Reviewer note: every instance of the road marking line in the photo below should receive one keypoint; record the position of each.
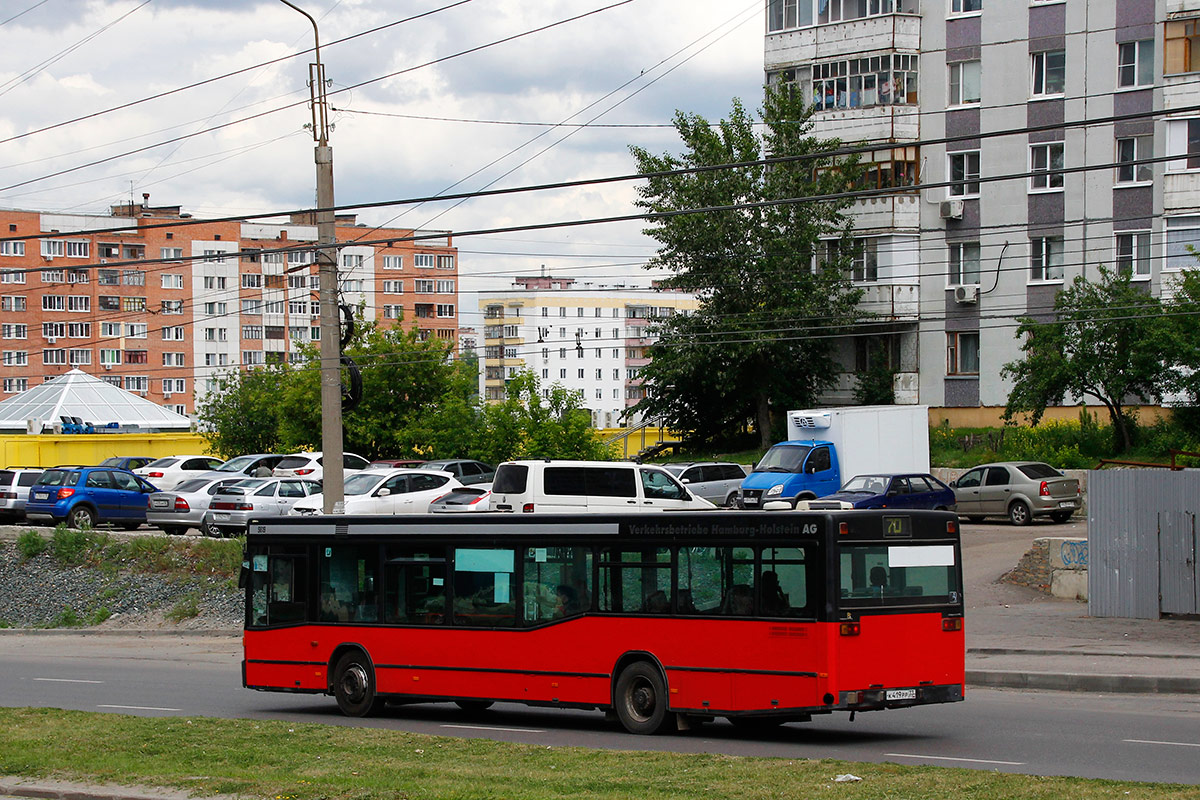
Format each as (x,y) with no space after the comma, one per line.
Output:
(951,758)
(493,728)
(66,680)
(142,708)
(1151,741)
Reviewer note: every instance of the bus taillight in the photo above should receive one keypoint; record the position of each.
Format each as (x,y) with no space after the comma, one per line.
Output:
(843,528)
(952,624)
(951,526)
(848,629)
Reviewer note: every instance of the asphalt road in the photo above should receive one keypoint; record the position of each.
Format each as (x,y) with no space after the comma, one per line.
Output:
(1134,737)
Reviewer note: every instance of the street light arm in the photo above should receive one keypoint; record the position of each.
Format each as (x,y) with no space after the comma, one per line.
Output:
(320,109)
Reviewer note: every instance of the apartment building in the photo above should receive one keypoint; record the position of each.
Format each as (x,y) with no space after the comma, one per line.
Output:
(1020,140)
(150,299)
(587,337)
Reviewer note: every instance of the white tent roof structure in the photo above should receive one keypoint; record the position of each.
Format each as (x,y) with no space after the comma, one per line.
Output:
(77,394)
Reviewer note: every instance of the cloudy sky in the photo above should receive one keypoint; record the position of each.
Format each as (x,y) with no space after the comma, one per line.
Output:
(458,96)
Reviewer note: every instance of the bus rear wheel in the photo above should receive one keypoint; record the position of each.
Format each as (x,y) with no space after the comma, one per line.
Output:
(354,686)
(641,699)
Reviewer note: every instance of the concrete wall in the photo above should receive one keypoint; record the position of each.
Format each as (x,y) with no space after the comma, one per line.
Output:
(1057,566)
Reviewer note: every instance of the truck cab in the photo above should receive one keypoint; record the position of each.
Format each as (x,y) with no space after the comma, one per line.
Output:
(798,469)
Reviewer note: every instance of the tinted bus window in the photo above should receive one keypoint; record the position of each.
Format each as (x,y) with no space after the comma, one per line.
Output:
(716,580)
(278,594)
(347,580)
(636,581)
(414,586)
(484,593)
(783,583)
(558,582)
(898,575)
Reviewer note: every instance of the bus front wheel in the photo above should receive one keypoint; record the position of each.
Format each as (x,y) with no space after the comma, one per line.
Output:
(354,686)
(641,699)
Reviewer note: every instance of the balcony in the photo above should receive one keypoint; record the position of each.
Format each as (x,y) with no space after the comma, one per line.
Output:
(801,46)
(896,302)
(887,213)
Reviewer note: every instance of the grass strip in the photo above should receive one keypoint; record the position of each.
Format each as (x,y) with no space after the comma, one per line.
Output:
(294,761)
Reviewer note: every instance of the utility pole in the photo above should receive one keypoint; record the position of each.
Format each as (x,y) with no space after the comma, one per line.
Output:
(331,354)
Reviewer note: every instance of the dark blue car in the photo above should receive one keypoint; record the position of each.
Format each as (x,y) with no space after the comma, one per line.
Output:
(910,490)
(85,497)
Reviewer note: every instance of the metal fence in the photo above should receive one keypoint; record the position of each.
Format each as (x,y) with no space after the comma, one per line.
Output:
(1142,542)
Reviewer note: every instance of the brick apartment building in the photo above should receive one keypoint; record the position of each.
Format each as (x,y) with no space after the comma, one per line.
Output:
(159,303)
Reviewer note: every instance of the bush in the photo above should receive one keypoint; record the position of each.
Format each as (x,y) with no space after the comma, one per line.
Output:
(148,553)
(72,548)
(31,544)
(216,556)
(187,608)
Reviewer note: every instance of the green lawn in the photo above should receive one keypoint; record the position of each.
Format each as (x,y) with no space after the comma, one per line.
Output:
(288,761)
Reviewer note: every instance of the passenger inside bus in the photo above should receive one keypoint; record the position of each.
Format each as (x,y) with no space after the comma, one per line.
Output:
(774,600)
(684,598)
(657,602)
(879,579)
(567,601)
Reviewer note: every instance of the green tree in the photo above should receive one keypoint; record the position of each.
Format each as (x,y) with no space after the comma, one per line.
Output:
(760,342)
(1183,334)
(241,412)
(1106,342)
(527,425)
(403,380)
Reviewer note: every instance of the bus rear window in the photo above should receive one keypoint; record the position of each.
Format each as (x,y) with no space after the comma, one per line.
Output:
(898,575)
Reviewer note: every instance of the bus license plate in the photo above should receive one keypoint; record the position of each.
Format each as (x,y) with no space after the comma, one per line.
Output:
(901,694)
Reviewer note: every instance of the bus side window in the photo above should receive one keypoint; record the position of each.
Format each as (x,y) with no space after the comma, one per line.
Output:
(347,583)
(414,586)
(558,583)
(783,582)
(484,587)
(286,597)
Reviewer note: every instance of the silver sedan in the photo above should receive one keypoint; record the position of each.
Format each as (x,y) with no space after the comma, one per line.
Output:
(233,506)
(183,507)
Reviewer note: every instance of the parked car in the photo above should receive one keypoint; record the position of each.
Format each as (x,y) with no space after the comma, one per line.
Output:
(309,466)
(249,466)
(396,463)
(395,491)
(909,490)
(126,462)
(232,506)
(14,490)
(167,473)
(85,497)
(716,481)
(465,470)
(183,507)
(1020,490)
(547,486)
(463,499)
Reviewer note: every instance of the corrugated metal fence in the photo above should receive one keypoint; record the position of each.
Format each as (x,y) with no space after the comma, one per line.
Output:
(1142,542)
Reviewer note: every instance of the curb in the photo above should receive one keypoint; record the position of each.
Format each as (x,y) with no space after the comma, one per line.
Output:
(1033,651)
(1079,682)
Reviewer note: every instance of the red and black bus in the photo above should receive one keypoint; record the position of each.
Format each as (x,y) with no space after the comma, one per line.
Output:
(661,619)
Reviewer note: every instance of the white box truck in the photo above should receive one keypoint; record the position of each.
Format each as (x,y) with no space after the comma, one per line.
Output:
(827,446)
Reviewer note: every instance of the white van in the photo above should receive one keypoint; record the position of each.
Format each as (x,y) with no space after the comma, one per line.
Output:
(589,486)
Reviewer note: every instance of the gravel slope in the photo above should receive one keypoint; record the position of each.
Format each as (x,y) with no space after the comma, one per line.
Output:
(38,593)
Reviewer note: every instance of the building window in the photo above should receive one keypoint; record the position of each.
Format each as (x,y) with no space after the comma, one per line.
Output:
(10,330)
(966,6)
(53,330)
(12,248)
(1135,64)
(12,303)
(54,357)
(216,309)
(108,277)
(16,358)
(445,287)
(1183,239)
(77,250)
(964,83)
(78,276)
(16,385)
(78,302)
(1133,254)
(962,353)
(423,286)
(110,330)
(393,287)
(445,262)
(250,280)
(173,333)
(425,260)
(172,306)
(1130,151)
(171,253)
(53,302)
(79,358)
(135,330)
(133,277)
(393,262)
(445,309)
(889,79)
(252,332)
(53,276)
(251,307)
(214,282)
(79,330)
(173,385)
(1183,139)
(137,383)
(1049,73)
(865,265)
(108,302)
(1046,258)
(964,172)
(351,261)
(53,248)
(172,281)
(273,307)
(1181,42)
(1045,166)
(964,264)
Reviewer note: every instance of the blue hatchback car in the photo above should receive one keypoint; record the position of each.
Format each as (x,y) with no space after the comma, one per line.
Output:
(85,497)
(910,490)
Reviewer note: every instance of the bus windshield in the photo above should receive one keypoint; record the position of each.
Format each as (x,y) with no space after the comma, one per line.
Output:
(783,458)
(901,574)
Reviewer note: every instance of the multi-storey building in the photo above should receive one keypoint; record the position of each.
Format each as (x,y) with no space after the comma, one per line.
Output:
(589,338)
(156,302)
(1019,138)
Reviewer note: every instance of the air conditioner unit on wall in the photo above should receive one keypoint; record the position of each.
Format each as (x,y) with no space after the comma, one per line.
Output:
(966,295)
(952,209)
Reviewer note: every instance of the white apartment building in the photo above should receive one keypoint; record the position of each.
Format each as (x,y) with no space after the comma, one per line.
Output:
(586,337)
(1012,135)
